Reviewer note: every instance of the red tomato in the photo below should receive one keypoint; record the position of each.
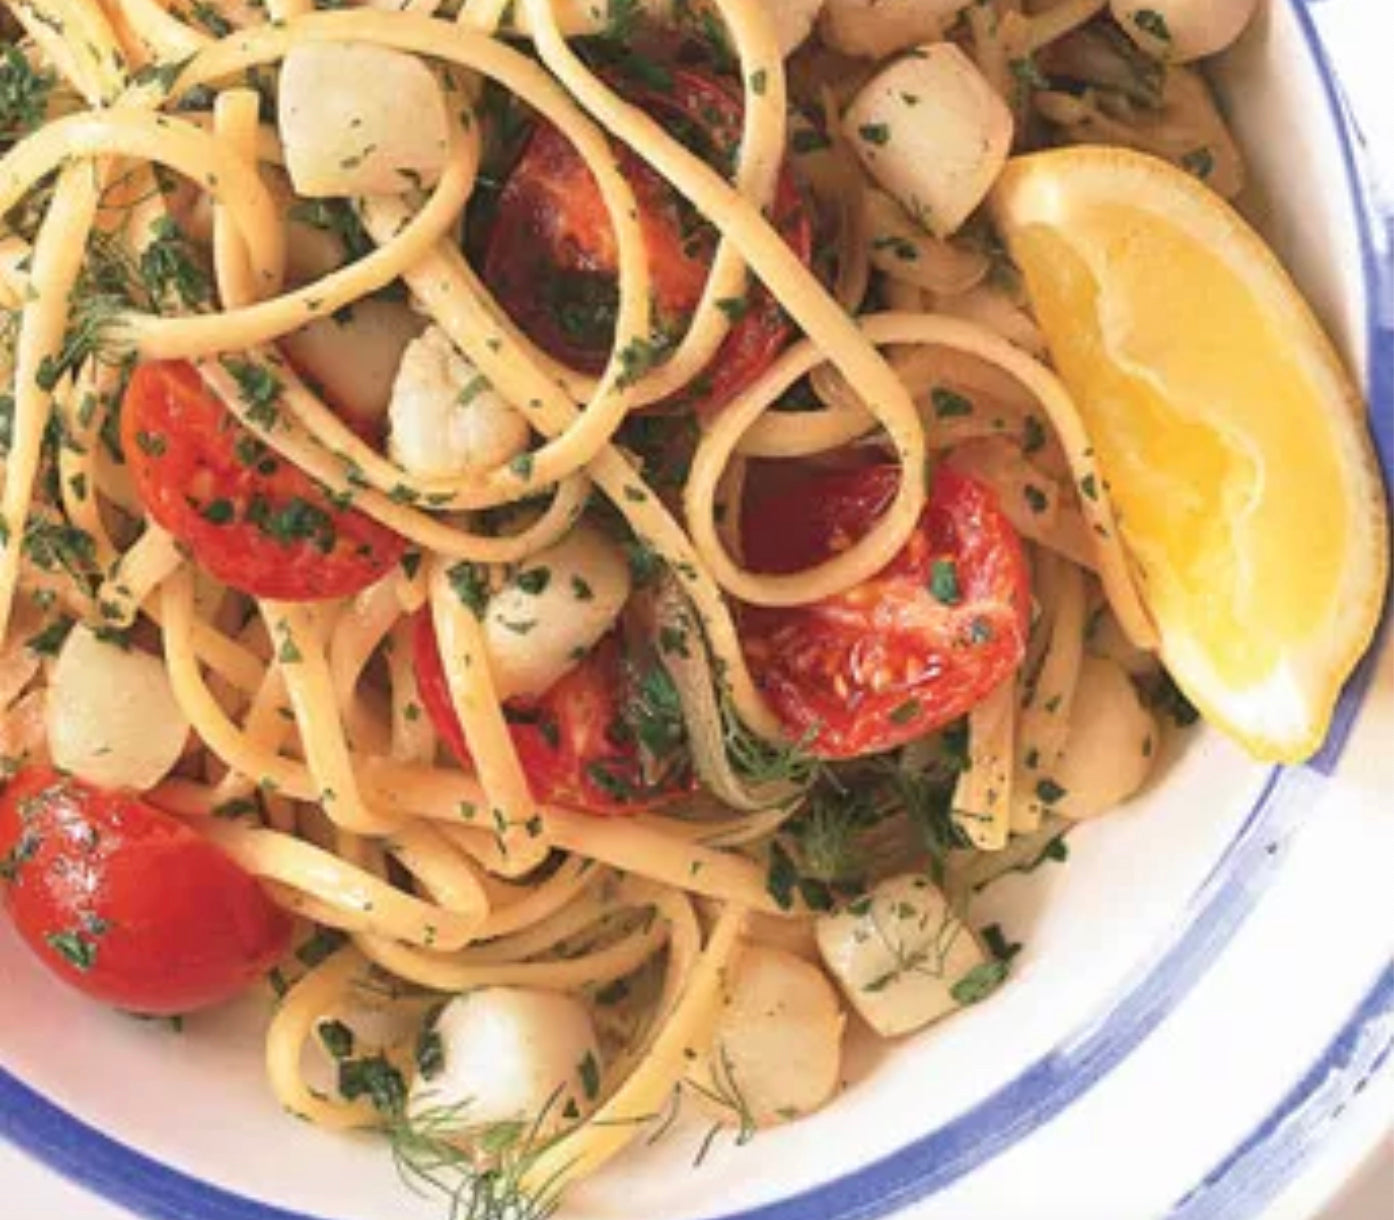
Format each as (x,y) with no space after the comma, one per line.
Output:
(127,903)
(573,743)
(551,257)
(907,651)
(252,519)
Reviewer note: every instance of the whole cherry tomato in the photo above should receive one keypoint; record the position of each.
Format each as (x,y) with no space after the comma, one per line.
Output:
(125,902)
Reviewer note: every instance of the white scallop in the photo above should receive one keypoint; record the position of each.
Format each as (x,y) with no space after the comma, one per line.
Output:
(512,1054)
(358,119)
(933,132)
(445,417)
(355,355)
(899,953)
(874,29)
(556,607)
(1179,31)
(112,716)
(776,1049)
(1112,742)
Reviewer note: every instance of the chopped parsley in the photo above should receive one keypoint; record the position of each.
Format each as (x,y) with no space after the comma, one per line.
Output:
(24,849)
(905,712)
(24,93)
(47,642)
(621,18)
(238,807)
(616,787)
(948,403)
(1200,162)
(997,943)
(943,582)
(1152,23)
(589,1072)
(152,444)
(980,982)
(211,20)
(320,946)
(170,270)
(337,1038)
(470,582)
(474,387)
(637,357)
(1049,792)
(645,565)
(534,580)
(376,1079)
(55,545)
(78,950)
(430,1053)
(258,387)
(338,218)
(297,520)
(653,715)
(980,630)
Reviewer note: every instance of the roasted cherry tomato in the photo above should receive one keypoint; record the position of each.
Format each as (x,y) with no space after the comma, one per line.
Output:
(907,651)
(127,903)
(551,257)
(252,519)
(574,745)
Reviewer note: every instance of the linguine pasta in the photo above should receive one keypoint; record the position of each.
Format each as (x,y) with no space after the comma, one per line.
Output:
(153,222)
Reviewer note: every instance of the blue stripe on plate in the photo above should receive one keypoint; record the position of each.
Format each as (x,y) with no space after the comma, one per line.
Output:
(1252,1176)
(150,1188)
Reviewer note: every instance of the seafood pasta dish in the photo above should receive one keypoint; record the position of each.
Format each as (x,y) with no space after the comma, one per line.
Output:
(558,544)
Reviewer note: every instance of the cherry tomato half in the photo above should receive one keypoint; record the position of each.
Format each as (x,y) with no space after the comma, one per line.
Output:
(255,521)
(551,257)
(573,743)
(127,903)
(907,651)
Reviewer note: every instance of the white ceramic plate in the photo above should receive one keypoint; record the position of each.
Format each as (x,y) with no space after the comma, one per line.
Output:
(1205,985)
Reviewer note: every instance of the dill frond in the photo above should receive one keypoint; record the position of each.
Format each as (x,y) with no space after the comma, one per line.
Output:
(760,762)
(724,1092)
(24,93)
(479,1170)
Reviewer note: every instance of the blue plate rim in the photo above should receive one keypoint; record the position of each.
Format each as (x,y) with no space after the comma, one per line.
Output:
(1264,1160)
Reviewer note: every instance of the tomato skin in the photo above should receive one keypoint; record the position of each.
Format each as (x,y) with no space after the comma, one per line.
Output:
(254,520)
(553,233)
(574,730)
(166,923)
(888,661)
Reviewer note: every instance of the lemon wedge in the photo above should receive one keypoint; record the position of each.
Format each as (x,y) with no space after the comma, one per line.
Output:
(1230,437)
